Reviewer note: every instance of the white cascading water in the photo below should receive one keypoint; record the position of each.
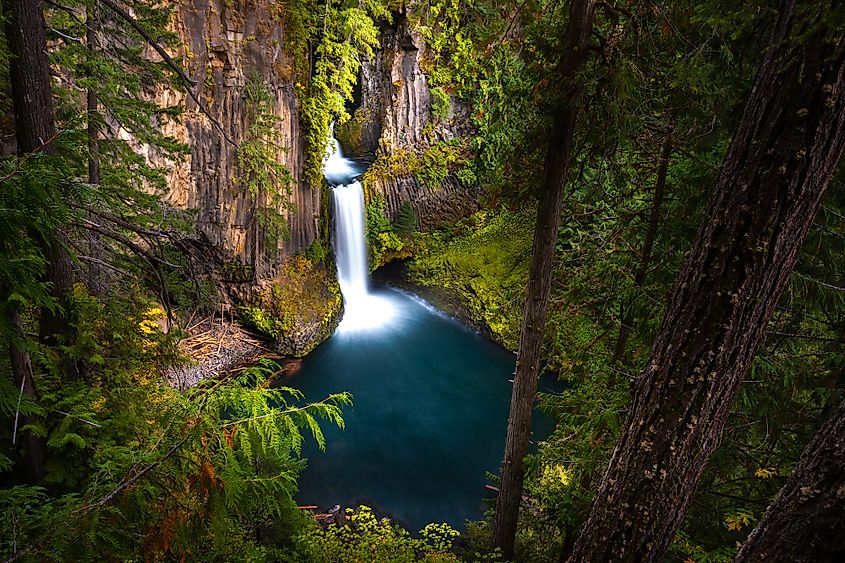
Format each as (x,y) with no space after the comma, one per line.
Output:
(362,310)
(350,251)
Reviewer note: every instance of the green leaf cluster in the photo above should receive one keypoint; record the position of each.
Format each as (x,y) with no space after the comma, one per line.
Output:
(137,468)
(366,538)
(345,32)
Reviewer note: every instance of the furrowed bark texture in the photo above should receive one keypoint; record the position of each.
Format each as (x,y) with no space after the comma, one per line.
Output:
(35,128)
(539,282)
(806,522)
(29,71)
(772,180)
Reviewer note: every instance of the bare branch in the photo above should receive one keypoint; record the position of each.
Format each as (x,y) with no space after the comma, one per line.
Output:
(189,83)
(128,482)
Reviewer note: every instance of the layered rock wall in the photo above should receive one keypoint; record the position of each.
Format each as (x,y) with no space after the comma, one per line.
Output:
(395,116)
(228,41)
(225,43)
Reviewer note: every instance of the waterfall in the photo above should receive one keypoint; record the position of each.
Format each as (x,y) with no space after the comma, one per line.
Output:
(362,309)
(337,169)
(349,248)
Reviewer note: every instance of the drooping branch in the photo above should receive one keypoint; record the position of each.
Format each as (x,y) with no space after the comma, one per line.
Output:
(152,260)
(188,82)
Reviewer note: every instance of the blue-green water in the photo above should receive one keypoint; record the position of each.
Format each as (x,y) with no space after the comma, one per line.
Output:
(429,417)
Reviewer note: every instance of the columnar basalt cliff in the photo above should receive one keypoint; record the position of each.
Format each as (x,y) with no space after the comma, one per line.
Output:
(229,47)
(395,118)
(225,45)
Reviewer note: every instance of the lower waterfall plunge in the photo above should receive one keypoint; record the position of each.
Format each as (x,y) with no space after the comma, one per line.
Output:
(362,309)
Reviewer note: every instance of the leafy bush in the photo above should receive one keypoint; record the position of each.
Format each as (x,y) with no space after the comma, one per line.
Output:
(139,470)
(366,538)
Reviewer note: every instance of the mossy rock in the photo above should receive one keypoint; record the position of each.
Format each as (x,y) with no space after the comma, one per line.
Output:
(359,136)
(299,309)
(482,260)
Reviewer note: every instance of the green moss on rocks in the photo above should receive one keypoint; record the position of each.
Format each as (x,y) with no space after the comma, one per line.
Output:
(384,242)
(355,135)
(431,165)
(299,309)
(483,260)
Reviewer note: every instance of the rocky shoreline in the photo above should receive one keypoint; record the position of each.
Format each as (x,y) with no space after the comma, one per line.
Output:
(220,344)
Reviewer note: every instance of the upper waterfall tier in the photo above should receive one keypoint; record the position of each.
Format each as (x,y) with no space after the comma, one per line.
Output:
(338,170)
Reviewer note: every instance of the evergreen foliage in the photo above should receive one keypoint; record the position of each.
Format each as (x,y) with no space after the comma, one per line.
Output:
(139,468)
(267,180)
(406,220)
(649,86)
(136,469)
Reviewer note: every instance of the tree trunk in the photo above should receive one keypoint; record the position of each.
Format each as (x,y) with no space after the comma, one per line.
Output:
(93,41)
(29,70)
(96,273)
(767,194)
(36,446)
(806,522)
(35,130)
(539,282)
(648,246)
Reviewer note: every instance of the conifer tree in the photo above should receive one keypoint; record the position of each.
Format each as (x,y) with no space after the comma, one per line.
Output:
(35,132)
(771,183)
(557,164)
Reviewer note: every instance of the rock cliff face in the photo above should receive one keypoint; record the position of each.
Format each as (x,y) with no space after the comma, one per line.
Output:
(226,42)
(227,47)
(395,116)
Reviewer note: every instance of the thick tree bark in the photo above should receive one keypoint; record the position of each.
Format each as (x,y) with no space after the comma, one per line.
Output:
(35,130)
(774,175)
(648,246)
(539,282)
(806,522)
(29,69)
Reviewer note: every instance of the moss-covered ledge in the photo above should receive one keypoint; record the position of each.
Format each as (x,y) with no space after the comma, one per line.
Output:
(297,310)
(476,269)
